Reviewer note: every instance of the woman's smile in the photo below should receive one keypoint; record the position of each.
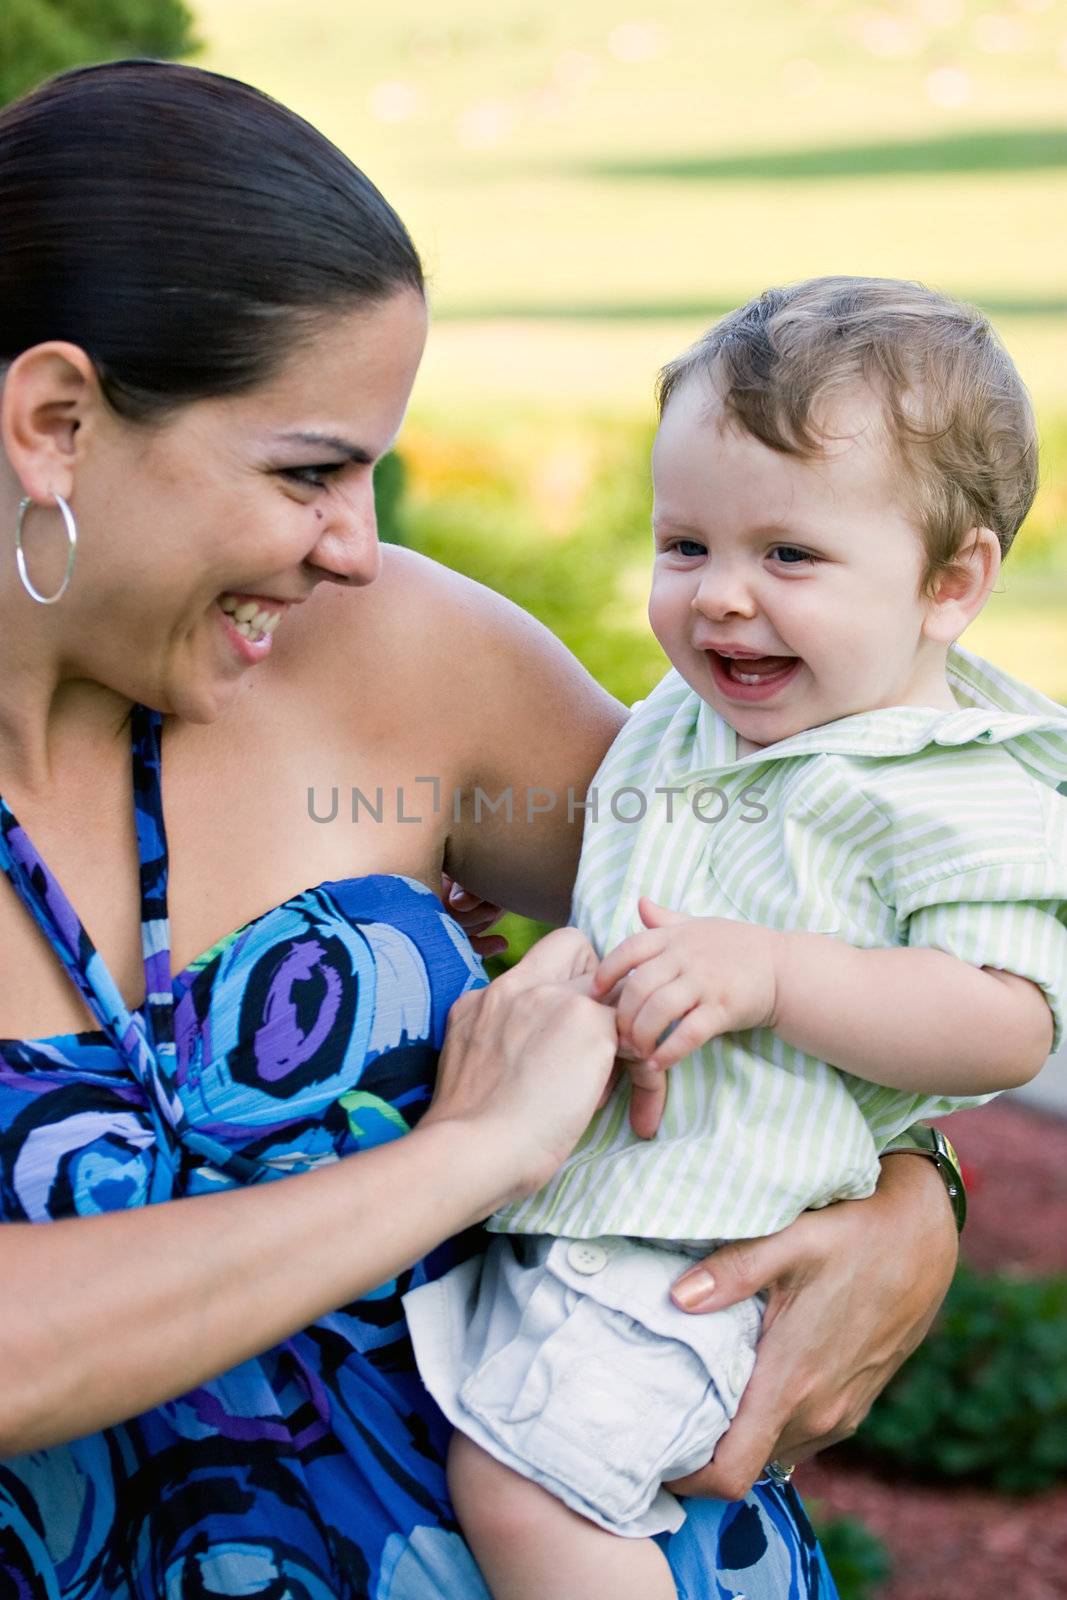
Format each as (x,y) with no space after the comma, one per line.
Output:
(248,625)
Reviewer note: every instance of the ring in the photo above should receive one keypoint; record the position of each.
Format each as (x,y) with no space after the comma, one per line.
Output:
(779,1472)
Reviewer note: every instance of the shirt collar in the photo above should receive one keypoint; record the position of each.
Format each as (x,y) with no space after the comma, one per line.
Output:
(994,709)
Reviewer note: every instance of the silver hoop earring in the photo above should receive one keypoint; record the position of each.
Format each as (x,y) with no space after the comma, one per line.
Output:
(20,556)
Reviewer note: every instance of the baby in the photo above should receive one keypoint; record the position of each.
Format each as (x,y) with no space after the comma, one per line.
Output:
(861,833)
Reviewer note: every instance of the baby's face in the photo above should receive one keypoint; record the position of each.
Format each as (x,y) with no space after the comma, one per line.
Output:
(786,590)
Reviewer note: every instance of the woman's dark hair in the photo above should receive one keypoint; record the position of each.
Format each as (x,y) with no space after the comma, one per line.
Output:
(185,230)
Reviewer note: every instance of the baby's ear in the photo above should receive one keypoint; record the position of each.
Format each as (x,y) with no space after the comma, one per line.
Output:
(959,591)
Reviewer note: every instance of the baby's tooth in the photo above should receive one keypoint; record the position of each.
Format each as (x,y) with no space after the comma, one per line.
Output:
(246,611)
(244,628)
(259,621)
(272,622)
(228,603)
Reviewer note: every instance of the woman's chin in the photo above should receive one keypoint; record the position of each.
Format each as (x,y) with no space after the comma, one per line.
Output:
(202,699)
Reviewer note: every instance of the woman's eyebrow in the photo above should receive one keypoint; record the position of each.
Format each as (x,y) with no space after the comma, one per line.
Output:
(344,447)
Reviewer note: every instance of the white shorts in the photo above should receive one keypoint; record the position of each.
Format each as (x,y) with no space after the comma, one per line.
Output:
(568,1361)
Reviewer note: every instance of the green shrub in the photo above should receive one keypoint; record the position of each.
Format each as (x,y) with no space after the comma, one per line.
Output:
(521,934)
(42,37)
(578,557)
(390,483)
(857,1558)
(984,1397)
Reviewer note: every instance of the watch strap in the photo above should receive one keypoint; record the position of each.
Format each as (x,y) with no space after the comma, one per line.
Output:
(922,1139)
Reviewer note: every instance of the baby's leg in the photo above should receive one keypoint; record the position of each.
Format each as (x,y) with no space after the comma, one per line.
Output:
(530,1546)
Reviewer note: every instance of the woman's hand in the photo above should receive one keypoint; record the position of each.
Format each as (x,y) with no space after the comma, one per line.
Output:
(853,1290)
(196,1286)
(475,916)
(528,1059)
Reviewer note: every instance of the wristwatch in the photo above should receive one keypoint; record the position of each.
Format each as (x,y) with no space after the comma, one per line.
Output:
(923,1140)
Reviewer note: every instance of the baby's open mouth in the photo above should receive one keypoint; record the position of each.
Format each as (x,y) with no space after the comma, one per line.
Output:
(753,669)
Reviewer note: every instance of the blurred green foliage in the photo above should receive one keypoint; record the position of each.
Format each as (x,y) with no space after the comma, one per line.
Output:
(521,934)
(857,1558)
(42,37)
(556,516)
(984,1398)
(555,513)
(390,482)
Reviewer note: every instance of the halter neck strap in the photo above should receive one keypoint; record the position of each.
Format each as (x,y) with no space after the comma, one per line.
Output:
(145,1038)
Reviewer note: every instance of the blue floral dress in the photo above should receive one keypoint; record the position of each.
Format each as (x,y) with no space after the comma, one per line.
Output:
(314,1471)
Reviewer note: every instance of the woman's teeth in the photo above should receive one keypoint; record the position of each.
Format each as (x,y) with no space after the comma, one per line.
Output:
(250,619)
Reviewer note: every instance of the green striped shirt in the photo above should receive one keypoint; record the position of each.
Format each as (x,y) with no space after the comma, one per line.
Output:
(908,826)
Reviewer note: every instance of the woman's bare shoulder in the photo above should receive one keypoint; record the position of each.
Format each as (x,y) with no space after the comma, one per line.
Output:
(352,623)
(443,637)
(427,672)
(450,606)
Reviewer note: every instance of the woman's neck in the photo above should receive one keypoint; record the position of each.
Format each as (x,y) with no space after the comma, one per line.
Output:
(48,727)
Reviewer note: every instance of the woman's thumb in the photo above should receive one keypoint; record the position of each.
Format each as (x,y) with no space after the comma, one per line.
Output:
(735,1272)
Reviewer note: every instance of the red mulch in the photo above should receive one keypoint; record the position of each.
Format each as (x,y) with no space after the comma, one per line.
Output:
(969,1544)
(1015,1163)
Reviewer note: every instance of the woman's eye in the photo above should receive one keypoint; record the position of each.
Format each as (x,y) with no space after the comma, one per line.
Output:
(789,556)
(312,477)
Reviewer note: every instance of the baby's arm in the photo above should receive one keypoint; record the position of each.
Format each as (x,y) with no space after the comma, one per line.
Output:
(913,1019)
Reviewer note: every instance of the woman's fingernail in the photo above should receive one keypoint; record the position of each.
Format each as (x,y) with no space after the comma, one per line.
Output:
(693,1288)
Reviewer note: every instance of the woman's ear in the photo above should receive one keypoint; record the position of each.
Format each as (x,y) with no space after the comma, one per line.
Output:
(960,590)
(50,397)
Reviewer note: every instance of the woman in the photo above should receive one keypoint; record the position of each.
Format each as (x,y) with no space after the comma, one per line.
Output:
(210,325)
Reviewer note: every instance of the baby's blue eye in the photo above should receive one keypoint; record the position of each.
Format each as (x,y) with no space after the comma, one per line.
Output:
(790,556)
(688,547)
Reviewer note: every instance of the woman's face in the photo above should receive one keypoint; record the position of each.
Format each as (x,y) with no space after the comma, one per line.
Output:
(198,534)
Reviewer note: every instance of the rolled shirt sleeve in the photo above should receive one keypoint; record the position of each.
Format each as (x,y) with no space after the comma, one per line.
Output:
(1026,938)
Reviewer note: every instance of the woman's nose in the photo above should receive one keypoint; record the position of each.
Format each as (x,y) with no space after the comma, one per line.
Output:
(347,550)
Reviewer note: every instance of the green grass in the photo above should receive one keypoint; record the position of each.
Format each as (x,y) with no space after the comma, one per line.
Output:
(544,159)
(553,164)
(588,199)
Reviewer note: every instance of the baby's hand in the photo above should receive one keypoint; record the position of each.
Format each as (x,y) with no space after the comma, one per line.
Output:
(475,916)
(697,977)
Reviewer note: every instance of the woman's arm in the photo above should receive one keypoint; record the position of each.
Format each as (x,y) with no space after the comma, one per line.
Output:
(853,1289)
(107,1316)
(537,729)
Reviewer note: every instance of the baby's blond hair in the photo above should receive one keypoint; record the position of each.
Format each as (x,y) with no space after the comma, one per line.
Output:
(956,410)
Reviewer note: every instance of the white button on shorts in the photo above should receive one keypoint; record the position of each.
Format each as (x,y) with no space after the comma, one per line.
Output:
(587,1257)
(737,1373)
(568,1361)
